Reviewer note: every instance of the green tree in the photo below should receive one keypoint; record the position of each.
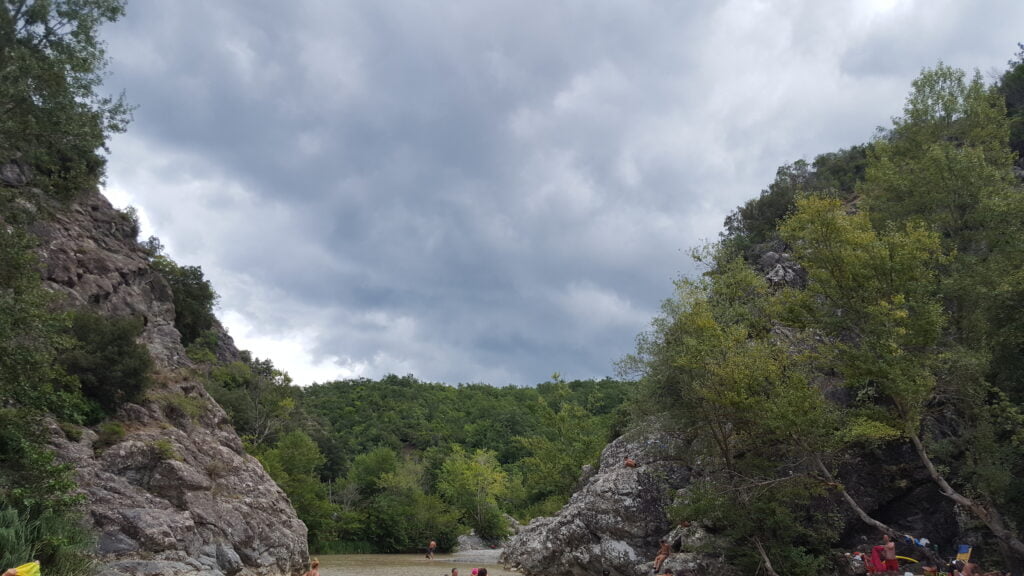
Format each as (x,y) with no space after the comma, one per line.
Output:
(368,469)
(193,295)
(876,296)
(406,518)
(258,398)
(110,365)
(1011,85)
(473,484)
(293,463)
(51,66)
(566,440)
(39,507)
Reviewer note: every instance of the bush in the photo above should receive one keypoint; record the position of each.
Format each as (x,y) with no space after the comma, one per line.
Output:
(164,449)
(180,407)
(109,433)
(111,367)
(71,431)
(203,350)
(57,540)
(194,297)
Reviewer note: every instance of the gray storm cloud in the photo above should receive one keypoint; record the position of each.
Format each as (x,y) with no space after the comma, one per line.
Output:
(488,191)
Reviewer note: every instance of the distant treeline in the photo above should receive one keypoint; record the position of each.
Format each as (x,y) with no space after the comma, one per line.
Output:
(388,465)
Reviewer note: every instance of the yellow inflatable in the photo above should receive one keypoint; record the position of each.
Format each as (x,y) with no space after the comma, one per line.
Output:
(30,569)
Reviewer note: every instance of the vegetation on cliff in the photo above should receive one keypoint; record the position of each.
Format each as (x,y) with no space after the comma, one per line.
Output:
(900,323)
(53,125)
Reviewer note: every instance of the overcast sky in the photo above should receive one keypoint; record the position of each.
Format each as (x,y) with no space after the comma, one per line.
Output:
(487,191)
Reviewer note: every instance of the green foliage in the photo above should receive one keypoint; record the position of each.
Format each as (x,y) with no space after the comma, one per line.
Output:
(109,433)
(293,463)
(368,469)
(566,440)
(473,484)
(384,446)
(31,333)
(51,65)
(913,256)
(182,407)
(1011,85)
(194,297)
(164,449)
(71,431)
(258,398)
(755,223)
(39,510)
(110,365)
(57,540)
(203,349)
(876,289)
(405,517)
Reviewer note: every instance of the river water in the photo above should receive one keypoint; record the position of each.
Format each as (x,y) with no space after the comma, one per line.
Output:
(411,564)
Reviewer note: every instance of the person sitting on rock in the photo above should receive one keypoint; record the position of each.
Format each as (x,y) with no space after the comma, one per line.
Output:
(664,551)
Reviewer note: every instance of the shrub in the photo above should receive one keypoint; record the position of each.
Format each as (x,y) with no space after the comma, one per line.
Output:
(71,431)
(180,406)
(109,433)
(110,365)
(57,540)
(194,297)
(164,449)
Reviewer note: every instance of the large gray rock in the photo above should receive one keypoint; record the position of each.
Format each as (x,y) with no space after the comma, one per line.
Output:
(177,494)
(780,269)
(616,519)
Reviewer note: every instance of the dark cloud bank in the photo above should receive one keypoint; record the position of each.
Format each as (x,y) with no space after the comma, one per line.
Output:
(488,191)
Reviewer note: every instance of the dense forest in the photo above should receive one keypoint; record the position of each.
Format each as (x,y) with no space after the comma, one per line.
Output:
(388,465)
(898,323)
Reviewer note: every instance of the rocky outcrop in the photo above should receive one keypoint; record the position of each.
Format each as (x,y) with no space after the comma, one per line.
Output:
(619,513)
(781,270)
(616,519)
(169,487)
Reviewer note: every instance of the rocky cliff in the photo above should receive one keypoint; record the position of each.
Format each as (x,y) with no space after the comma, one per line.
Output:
(619,513)
(176,493)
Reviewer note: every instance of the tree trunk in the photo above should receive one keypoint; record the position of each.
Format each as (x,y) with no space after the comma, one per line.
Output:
(764,557)
(990,516)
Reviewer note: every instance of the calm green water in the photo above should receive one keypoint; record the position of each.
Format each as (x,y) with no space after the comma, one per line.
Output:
(407,565)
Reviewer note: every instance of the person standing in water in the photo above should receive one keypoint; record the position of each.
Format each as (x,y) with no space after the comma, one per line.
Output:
(431,549)
(314,568)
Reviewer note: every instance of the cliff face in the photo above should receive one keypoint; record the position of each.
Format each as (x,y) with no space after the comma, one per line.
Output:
(176,494)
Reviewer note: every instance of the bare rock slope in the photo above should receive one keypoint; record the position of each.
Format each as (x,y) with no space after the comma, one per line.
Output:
(176,493)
